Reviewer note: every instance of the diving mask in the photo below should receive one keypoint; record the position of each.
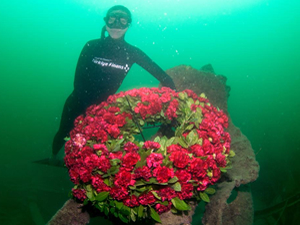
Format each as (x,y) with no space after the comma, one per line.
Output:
(118,20)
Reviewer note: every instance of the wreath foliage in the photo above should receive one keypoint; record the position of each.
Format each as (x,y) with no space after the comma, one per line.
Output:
(135,180)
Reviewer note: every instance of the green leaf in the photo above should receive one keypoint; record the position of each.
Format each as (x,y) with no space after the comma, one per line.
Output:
(89,187)
(112,203)
(190,102)
(140,211)
(114,162)
(222,169)
(157,139)
(152,180)
(189,127)
(139,183)
(132,215)
(176,186)
(210,191)
(231,153)
(180,204)
(100,206)
(142,122)
(200,141)
(178,132)
(67,138)
(163,203)
(106,210)
(90,195)
(170,141)
(142,189)
(113,170)
(204,197)
(112,210)
(202,95)
(192,137)
(156,195)
(144,154)
(155,215)
(120,100)
(102,196)
(107,182)
(173,180)
(174,210)
(125,210)
(119,205)
(116,148)
(182,143)
(123,218)
(86,201)
(182,95)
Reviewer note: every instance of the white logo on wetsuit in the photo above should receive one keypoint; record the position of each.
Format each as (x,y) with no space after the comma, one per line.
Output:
(108,63)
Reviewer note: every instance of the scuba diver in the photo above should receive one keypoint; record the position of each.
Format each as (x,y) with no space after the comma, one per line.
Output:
(102,66)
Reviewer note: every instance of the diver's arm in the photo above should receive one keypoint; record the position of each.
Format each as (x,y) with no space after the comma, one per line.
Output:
(81,68)
(148,64)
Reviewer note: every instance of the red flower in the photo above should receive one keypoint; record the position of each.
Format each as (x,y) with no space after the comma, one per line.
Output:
(101,148)
(171,110)
(180,159)
(98,184)
(154,160)
(203,184)
(198,168)
(104,164)
(120,120)
(186,191)
(84,174)
(183,176)
(113,131)
(163,208)
(119,193)
(146,198)
(113,109)
(130,159)
(151,145)
(79,140)
(208,148)
(221,160)
(166,193)
(197,150)
(116,155)
(124,179)
(131,147)
(173,148)
(74,175)
(155,107)
(109,117)
(80,194)
(142,172)
(131,201)
(141,109)
(163,174)
(216,174)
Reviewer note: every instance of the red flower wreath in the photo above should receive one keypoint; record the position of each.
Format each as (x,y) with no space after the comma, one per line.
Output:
(135,180)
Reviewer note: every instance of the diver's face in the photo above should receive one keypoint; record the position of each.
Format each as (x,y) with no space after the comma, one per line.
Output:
(117,23)
(116,33)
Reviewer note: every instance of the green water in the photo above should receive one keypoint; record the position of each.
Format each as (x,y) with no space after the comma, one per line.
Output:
(255,44)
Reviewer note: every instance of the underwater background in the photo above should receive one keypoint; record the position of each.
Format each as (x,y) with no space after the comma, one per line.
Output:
(254,43)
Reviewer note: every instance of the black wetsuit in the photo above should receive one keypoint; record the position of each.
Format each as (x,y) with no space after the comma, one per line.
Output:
(101,68)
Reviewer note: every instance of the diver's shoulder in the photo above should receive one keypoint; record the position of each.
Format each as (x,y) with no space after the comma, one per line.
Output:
(94,41)
(133,48)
